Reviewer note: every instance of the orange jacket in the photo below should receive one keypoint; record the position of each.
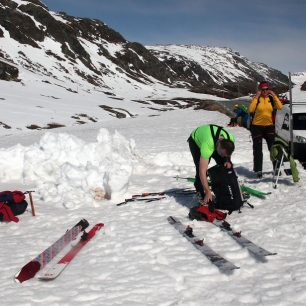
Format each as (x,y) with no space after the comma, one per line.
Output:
(264,110)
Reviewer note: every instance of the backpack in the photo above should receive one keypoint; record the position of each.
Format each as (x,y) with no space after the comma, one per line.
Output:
(252,115)
(12,203)
(218,132)
(226,188)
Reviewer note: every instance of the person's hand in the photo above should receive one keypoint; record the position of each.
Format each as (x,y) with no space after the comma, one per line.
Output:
(228,165)
(207,198)
(271,92)
(258,93)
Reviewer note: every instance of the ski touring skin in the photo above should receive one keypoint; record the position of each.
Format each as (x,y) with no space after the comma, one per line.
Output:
(31,268)
(54,271)
(220,262)
(256,251)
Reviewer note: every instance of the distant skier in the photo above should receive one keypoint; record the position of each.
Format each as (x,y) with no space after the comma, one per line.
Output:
(206,142)
(262,109)
(242,116)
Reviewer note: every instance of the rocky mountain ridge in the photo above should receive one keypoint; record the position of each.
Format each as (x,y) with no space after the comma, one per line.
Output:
(82,50)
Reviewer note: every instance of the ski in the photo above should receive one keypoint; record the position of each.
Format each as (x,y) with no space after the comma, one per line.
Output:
(135,199)
(223,264)
(170,192)
(31,268)
(253,191)
(54,271)
(256,251)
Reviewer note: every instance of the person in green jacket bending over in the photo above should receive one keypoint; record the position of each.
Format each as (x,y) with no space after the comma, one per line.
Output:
(206,142)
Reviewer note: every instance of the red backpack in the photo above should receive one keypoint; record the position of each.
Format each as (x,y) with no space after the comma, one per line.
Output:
(12,203)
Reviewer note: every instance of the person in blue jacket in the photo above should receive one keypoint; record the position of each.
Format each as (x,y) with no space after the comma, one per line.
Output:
(242,116)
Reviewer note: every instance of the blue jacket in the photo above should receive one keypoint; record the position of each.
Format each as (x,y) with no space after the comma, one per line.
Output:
(245,116)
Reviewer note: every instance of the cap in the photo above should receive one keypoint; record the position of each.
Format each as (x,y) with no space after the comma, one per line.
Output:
(263,85)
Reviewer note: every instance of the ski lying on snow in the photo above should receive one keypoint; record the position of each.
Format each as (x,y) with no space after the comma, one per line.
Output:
(31,268)
(146,200)
(223,264)
(256,251)
(54,271)
(254,192)
(170,192)
(156,196)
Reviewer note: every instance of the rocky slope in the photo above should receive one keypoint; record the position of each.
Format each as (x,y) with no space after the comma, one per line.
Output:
(80,50)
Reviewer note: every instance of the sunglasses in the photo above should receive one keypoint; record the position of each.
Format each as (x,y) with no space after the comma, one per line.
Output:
(264,89)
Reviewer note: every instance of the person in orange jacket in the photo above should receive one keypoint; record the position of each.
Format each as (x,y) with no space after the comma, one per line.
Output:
(261,109)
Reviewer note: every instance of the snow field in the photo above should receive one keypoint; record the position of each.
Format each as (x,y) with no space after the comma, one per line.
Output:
(141,259)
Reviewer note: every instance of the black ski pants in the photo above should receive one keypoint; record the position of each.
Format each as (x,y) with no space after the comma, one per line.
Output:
(196,155)
(260,132)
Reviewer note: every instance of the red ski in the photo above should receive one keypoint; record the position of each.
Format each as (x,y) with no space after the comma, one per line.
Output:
(31,268)
(54,271)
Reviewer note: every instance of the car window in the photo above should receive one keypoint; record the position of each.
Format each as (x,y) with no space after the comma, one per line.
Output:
(299,121)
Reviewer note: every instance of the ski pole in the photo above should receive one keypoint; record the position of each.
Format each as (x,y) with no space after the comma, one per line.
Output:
(31,201)
(250,205)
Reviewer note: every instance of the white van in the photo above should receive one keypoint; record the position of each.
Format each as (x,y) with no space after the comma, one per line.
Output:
(299,128)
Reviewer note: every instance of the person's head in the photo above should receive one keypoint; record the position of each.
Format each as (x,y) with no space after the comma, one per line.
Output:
(225,147)
(263,87)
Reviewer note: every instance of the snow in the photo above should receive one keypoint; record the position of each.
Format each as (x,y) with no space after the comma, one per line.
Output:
(298,79)
(139,259)
(64,167)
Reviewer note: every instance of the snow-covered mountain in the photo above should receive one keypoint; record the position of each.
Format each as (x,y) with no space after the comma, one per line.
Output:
(79,50)
(54,60)
(217,68)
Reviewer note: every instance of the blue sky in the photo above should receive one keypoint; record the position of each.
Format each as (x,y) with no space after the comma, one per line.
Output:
(272,31)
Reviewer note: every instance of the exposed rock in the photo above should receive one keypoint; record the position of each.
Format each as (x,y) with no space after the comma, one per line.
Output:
(8,72)
(20,26)
(49,126)
(37,2)
(8,3)
(303,87)
(137,58)
(5,126)
(117,112)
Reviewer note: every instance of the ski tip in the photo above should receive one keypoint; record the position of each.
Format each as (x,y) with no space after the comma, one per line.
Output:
(99,225)
(28,271)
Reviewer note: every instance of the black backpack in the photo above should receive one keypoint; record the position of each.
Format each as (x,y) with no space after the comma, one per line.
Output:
(225,186)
